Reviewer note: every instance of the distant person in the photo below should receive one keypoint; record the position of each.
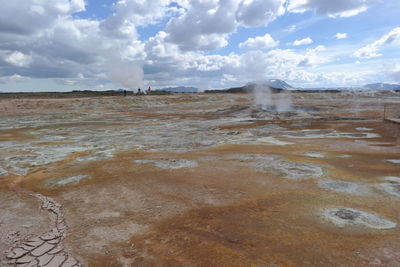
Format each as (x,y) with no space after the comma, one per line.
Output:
(149,90)
(139,90)
(124,92)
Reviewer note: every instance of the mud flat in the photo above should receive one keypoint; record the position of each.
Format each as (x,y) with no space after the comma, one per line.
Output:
(199,180)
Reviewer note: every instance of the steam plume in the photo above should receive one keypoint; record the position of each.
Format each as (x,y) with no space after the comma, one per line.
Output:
(127,74)
(264,99)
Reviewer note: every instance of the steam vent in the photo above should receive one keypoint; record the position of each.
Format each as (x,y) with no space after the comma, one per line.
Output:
(200,179)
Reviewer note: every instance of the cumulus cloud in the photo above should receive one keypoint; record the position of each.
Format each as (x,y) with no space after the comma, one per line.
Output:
(304,41)
(260,42)
(207,24)
(340,35)
(31,16)
(18,59)
(253,13)
(337,8)
(47,41)
(50,41)
(129,14)
(373,50)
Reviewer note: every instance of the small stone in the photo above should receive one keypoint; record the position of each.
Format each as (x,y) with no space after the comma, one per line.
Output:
(39,251)
(69,262)
(16,253)
(44,259)
(57,261)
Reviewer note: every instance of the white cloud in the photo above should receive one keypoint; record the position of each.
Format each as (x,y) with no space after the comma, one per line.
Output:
(253,13)
(260,42)
(30,16)
(132,13)
(372,50)
(18,59)
(305,41)
(341,35)
(14,78)
(48,41)
(207,24)
(337,8)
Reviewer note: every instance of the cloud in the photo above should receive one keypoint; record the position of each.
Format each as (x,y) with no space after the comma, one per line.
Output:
(18,59)
(260,42)
(372,50)
(259,12)
(341,35)
(14,78)
(50,41)
(23,17)
(305,41)
(129,14)
(207,25)
(337,8)
(56,44)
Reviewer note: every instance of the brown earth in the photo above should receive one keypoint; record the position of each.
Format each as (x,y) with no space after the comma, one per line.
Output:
(225,210)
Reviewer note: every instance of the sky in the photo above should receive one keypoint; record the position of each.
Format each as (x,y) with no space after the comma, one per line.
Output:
(64,45)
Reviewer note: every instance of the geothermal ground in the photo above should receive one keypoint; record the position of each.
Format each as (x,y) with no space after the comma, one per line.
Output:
(199,180)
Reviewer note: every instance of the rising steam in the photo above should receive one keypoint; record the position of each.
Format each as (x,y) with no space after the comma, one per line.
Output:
(266,100)
(127,74)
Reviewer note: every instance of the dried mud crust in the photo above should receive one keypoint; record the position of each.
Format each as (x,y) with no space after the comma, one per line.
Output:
(46,249)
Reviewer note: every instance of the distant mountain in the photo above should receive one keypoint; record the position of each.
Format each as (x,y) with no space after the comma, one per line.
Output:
(276,83)
(249,88)
(382,86)
(180,89)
